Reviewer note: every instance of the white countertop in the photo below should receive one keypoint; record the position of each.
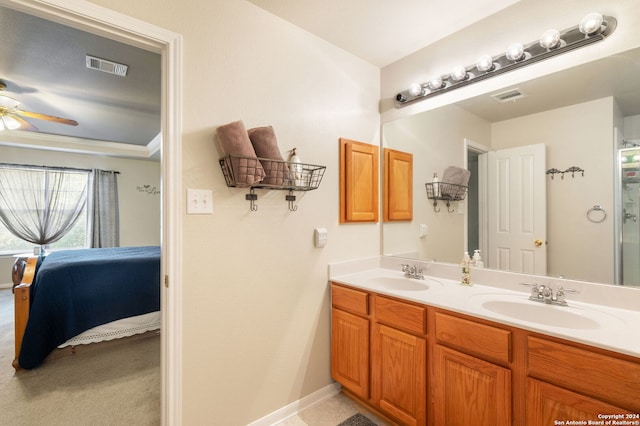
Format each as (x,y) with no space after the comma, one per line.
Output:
(605,326)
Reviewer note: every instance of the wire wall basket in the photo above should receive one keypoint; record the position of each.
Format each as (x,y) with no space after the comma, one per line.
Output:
(446,192)
(253,172)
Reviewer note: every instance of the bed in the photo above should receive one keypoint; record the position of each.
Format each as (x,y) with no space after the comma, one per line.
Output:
(83,296)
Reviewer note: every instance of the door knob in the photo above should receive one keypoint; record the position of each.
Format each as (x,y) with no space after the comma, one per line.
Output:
(538,243)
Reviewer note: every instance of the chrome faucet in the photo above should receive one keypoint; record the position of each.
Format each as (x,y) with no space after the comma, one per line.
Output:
(413,271)
(545,294)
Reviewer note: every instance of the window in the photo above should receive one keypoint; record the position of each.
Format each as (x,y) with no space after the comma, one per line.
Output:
(30,192)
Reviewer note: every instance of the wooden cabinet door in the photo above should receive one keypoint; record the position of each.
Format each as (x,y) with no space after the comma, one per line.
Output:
(350,351)
(548,405)
(604,377)
(398,185)
(469,391)
(358,181)
(399,374)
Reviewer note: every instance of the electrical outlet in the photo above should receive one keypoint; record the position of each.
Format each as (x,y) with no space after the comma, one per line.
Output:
(199,201)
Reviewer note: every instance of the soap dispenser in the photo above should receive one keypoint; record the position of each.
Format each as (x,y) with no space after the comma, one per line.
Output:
(296,167)
(477,260)
(436,185)
(466,269)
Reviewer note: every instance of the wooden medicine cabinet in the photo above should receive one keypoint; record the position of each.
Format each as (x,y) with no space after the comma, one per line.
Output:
(358,181)
(398,185)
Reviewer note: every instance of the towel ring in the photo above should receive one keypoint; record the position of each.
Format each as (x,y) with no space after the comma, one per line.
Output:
(593,212)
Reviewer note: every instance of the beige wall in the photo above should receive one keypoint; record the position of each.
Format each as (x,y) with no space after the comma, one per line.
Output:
(631,128)
(580,135)
(256,304)
(139,212)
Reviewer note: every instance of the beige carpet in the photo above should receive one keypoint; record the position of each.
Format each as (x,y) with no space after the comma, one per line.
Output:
(109,383)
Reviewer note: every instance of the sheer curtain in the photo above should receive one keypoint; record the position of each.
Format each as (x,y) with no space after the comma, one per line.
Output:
(104,220)
(41,205)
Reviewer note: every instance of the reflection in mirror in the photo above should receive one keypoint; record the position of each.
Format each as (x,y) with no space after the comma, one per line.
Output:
(581,119)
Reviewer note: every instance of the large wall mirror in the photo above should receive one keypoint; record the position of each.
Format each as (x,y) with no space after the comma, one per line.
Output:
(581,222)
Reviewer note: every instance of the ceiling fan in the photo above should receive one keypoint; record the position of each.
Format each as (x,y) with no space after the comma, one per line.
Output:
(11,115)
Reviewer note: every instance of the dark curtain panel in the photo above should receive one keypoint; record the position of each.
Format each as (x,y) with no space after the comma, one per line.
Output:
(104,220)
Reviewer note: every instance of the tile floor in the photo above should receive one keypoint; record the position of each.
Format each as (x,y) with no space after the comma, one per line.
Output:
(331,412)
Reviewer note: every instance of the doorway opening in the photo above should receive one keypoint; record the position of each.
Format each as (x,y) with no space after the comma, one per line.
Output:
(475,224)
(101,21)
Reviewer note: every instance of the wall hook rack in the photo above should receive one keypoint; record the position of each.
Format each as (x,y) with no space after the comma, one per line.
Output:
(573,170)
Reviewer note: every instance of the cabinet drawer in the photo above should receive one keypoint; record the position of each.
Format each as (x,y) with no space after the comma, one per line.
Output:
(351,300)
(604,377)
(404,316)
(483,341)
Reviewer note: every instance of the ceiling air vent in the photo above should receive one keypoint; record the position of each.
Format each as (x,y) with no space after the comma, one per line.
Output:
(106,66)
(509,95)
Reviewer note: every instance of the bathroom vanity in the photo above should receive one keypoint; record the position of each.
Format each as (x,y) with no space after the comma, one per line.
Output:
(433,352)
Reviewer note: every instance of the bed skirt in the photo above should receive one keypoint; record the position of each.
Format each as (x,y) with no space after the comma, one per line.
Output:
(117,329)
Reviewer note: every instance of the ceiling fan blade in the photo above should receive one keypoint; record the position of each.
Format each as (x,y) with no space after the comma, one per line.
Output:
(45,117)
(24,125)
(8,103)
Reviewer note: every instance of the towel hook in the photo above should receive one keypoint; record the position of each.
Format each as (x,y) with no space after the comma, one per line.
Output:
(573,170)
(553,172)
(291,199)
(449,208)
(252,197)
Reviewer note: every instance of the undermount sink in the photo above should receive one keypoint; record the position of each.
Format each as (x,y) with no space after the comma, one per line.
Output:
(534,312)
(402,283)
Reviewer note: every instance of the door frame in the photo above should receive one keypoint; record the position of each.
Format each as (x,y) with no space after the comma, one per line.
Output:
(471,146)
(98,20)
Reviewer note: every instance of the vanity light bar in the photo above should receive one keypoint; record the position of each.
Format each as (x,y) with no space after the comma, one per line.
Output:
(593,28)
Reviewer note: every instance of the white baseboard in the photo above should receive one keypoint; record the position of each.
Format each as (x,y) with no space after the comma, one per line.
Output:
(297,406)
(6,285)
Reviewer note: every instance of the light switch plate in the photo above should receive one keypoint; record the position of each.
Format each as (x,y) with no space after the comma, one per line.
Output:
(199,201)
(320,237)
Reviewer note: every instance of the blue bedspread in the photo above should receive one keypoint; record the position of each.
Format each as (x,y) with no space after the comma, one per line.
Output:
(75,290)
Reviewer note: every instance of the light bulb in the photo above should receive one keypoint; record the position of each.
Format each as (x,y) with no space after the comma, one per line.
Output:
(415,89)
(591,24)
(1,124)
(459,73)
(485,63)
(435,83)
(515,52)
(10,122)
(550,39)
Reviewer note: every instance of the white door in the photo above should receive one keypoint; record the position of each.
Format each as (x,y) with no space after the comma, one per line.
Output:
(516,210)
